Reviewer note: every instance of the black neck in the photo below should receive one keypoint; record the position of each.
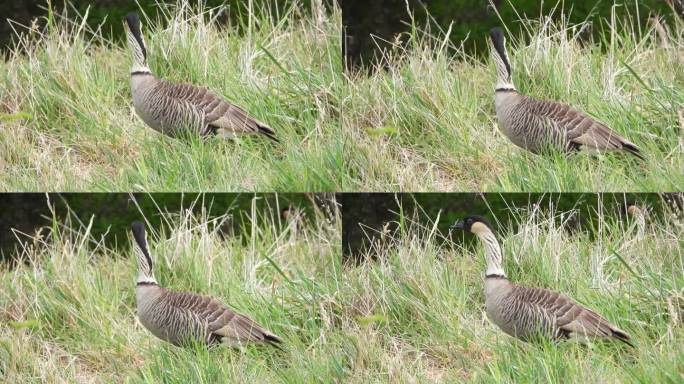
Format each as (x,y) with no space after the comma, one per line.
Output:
(141,73)
(145,283)
(505,90)
(495,276)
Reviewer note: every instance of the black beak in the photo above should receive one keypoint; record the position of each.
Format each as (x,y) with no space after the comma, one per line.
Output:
(459,225)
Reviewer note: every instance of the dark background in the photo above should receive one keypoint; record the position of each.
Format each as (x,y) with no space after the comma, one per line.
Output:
(113,213)
(364,215)
(387,18)
(110,13)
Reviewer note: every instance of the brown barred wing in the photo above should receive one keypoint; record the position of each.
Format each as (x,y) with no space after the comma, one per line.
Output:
(218,116)
(579,130)
(222,324)
(562,317)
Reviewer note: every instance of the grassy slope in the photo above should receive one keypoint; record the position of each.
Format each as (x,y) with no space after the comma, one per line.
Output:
(72,312)
(67,121)
(423,307)
(438,109)
(415,316)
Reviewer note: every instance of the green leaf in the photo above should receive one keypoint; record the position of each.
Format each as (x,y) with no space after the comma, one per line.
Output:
(28,324)
(372,319)
(15,116)
(382,131)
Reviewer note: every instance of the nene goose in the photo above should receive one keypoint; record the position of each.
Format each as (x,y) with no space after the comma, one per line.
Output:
(538,124)
(638,215)
(182,317)
(531,313)
(181,109)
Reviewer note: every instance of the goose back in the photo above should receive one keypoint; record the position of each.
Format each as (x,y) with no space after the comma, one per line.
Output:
(528,313)
(537,124)
(180,317)
(178,109)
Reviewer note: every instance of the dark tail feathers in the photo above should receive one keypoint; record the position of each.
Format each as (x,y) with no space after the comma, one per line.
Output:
(273,340)
(631,148)
(622,337)
(268,132)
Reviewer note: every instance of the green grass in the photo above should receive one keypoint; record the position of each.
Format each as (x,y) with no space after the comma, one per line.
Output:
(69,312)
(413,313)
(67,122)
(427,123)
(416,311)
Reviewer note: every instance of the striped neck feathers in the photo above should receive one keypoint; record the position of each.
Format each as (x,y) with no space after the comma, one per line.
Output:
(142,254)
(136,43)
(492,249)
(504,79)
